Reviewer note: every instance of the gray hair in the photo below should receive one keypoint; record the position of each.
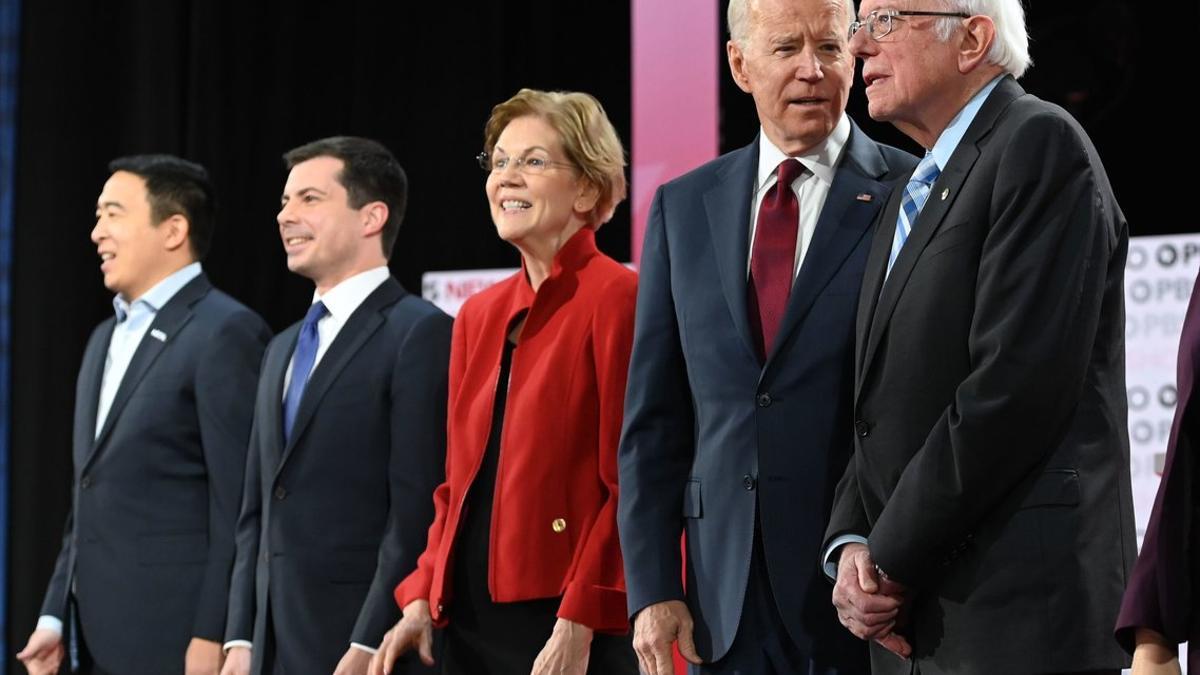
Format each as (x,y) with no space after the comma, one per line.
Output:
(1010,51)
(737,15)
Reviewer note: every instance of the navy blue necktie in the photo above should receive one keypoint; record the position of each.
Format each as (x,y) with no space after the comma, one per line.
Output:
(302,365)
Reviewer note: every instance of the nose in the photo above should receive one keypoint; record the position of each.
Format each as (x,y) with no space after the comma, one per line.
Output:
(98,231)
(285,214)
(861,45)
(809,67)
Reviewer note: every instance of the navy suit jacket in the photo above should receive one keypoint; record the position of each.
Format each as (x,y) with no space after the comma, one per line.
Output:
(332,520)
(713,435)
(149,540)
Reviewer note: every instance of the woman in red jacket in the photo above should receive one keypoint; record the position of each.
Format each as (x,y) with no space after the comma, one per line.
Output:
(523,566)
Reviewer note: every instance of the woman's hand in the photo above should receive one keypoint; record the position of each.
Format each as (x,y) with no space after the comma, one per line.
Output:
(567,650)
(415,629)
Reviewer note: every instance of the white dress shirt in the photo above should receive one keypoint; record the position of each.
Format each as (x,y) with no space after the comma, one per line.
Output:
(811,188)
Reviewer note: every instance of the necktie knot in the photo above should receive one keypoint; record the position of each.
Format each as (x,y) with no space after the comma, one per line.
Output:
(927,170)
(789,170)
(315,313)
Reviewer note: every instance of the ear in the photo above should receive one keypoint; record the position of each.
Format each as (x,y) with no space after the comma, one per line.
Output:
(977,37)
(375,215)
(737,65)
(175,231)
(587,197)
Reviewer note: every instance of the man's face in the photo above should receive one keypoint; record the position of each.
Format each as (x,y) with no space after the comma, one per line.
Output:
(905,70)
(132,247)
(796,66)
(322,234)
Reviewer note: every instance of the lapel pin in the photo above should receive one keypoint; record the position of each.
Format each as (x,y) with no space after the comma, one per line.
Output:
(945,193)
(158,335)
(864,197)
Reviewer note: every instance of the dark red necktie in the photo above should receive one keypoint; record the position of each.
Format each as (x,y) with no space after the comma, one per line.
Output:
(774,256)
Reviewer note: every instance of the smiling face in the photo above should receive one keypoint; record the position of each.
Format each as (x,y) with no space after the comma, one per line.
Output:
(135,252)
(536,211)
(795,64)
(323,236)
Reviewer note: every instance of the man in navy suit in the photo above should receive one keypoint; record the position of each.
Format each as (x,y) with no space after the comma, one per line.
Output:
(162,414)
(737,418)
(349,428)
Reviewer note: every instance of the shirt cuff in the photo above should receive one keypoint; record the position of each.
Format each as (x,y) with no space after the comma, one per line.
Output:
(237,643)
(369,650)
(50,623)
(828,563)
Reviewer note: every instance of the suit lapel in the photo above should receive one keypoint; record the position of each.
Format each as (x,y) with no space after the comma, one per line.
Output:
(361,325)
(88,395)
(727,205)
(843,222)
(881,246)
(168,321)
(942,196)
(274,371)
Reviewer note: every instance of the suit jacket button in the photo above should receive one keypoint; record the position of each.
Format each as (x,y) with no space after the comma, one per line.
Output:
(748,482)
(441,608)
(764,400)
(85,482)
(280,492)
(862,428)
(558,525)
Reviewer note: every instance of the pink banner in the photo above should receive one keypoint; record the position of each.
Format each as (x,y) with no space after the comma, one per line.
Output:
(677,55)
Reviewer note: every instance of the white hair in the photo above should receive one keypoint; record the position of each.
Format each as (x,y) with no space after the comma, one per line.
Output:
(1010,51)
(737,16)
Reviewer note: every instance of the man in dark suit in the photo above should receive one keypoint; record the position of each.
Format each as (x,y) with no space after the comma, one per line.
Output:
(1159,607)
(737,415)
(989,490)
(162,415)
(349,428)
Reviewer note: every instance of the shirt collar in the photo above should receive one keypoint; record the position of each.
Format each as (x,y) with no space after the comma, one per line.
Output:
(821,159)
(159,294)
(948,141)
(343,299)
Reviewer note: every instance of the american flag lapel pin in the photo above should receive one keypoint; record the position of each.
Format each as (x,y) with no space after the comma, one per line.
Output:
(864,197)
(158,335)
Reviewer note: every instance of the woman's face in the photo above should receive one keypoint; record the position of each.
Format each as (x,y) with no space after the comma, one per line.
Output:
(534,192)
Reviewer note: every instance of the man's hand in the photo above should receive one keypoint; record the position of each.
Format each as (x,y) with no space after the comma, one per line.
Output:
(567,650)
(354,662)
(43,653)
(414,630)
(237,661)
(1153,655)
(654,630)
(868,606)
(203,657)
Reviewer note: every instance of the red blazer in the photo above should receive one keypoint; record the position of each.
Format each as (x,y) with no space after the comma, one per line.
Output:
(554,528)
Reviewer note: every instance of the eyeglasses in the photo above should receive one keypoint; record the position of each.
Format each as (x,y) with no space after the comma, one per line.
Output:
(883,21)
(529,165)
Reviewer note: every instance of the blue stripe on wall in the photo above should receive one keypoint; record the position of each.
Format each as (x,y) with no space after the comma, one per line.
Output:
(10,21)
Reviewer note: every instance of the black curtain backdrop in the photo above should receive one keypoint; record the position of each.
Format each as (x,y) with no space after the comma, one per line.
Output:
(234,85)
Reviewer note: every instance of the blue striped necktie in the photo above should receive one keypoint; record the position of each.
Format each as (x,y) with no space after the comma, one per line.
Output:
(915,194)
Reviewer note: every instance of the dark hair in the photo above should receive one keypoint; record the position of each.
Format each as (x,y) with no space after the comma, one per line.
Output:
(176,186)
(370,173)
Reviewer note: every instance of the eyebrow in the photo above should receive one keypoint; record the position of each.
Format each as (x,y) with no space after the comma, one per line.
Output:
(109,205)
(301,192)
(527,150)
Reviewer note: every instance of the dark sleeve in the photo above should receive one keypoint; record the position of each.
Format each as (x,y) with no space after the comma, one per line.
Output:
(239,624)
(418,455)
(54,603)
(1043,272)
(657,446)
(226,380)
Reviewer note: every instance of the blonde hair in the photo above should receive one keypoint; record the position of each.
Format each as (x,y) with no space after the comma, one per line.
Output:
(587,136)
